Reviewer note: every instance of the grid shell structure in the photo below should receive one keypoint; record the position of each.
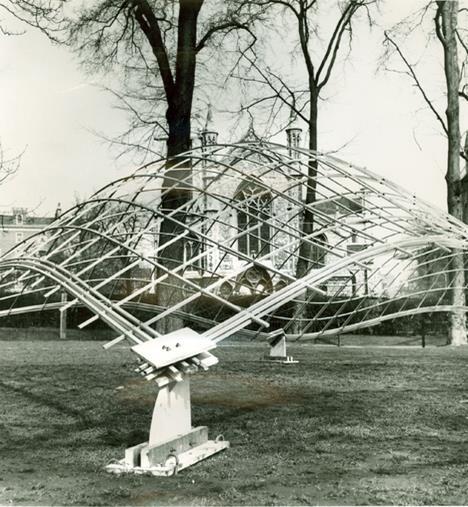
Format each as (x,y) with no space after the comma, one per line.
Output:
(252,238)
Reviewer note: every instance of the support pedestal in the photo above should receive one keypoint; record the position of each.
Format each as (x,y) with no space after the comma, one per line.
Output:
(63,317)
(173,444)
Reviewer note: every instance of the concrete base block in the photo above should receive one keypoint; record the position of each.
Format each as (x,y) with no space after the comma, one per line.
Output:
(157,454)
(169,458)
(132,454)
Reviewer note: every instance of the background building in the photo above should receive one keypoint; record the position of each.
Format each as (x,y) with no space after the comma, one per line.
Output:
(19,225)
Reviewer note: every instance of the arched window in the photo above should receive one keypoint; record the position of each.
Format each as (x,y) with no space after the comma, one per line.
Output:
(254,204)
(319,251)
(193,247)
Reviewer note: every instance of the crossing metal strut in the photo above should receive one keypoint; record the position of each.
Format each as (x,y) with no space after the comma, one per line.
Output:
(372,253)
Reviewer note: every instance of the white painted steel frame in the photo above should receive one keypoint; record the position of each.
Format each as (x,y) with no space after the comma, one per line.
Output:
(105,252)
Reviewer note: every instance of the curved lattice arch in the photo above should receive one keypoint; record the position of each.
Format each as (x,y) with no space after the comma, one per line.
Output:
(375,251)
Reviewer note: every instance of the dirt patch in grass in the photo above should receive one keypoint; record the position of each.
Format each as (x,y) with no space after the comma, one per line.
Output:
(344,426)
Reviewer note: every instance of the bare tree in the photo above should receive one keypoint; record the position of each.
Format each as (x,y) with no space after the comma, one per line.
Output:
(303,100)
(446,29)
(450,38)
(159,42)
(157,48)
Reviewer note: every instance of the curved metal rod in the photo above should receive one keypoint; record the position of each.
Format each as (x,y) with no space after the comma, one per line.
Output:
(375,234)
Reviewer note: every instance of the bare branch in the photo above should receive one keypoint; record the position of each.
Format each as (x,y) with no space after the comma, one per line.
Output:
(461,41)
(269,78)
(334,43)
(150,26)
(439,29)
(9,166)
(416,81)
(224,28)
(45,15)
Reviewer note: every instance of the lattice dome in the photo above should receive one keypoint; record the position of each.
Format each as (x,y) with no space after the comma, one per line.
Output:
(243,252)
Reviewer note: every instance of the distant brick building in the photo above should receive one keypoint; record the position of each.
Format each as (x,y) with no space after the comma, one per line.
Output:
(19,225)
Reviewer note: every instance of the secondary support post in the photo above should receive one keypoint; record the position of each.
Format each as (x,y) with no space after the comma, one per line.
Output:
(63,317)
(277,352)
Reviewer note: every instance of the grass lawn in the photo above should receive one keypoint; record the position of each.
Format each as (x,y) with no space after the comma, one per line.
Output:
(344,426)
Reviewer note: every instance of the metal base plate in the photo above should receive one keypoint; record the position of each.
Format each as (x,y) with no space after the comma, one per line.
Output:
(281,359)
(173,463)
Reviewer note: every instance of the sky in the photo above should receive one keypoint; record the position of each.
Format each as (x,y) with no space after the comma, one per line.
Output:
(51,109)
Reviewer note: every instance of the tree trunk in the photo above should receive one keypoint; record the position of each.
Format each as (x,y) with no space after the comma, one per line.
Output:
(177,193)
(447,34)
(465,182)
(176,184)
(306,253)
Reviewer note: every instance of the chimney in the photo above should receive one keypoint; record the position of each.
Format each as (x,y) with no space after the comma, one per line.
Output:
(208,135)
(293,133)
(58,211)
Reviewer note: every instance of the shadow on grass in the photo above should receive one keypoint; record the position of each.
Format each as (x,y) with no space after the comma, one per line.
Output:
(84,421)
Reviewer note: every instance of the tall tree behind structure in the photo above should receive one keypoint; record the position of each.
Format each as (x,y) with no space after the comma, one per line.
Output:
(303,99)
(446,29)
(165,38)
(450,37)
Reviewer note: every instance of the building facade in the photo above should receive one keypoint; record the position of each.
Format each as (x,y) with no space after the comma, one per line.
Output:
(19,225)
(252,218)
